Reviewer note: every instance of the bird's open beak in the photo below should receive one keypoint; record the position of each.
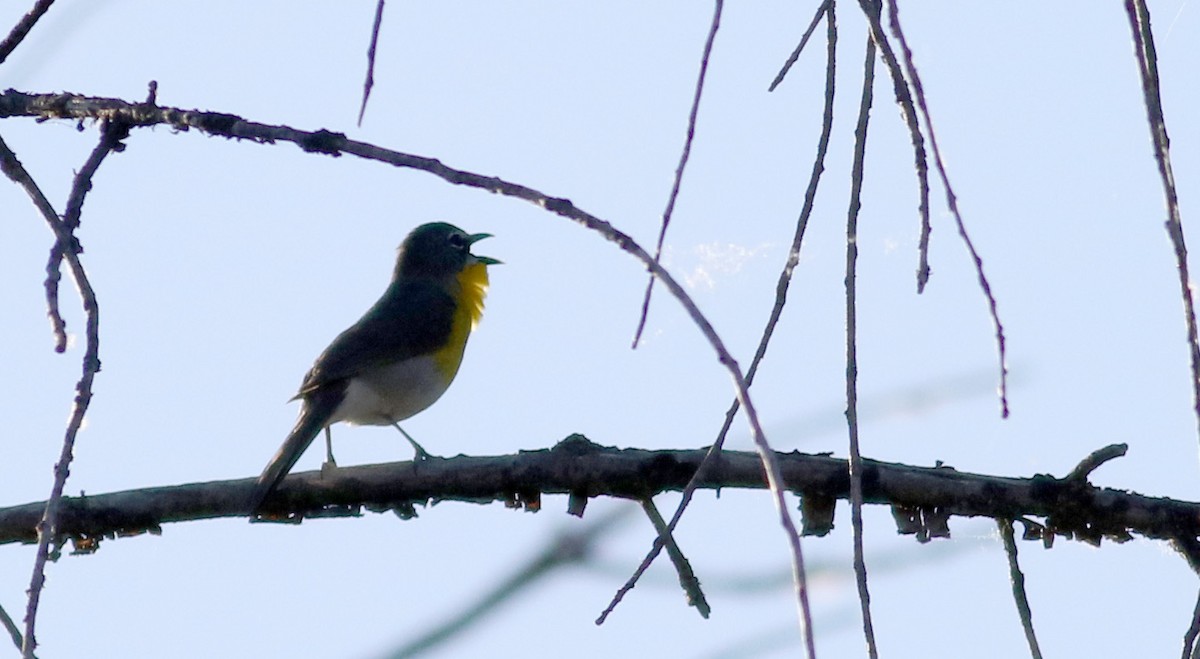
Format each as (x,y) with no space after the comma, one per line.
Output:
(486,260)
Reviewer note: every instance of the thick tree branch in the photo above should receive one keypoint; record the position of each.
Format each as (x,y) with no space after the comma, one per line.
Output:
(576,465)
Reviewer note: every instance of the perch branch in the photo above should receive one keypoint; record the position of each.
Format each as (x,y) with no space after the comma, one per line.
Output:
(1069,508)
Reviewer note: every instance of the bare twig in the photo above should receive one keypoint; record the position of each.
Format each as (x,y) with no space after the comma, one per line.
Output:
(58,325)
(47,527)
(781,290)
(1147,59)
(1189,547)
(22,28)
(687,577)
(1096,458)
(369,82)
(683,159)
(1190,649)
(952,202)
(787,66)
(1018,586)
(111,134)
(11,628)
(856,464)
(909,113)
(15,171)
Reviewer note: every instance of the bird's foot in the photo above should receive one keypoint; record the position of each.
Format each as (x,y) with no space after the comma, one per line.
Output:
(420,454)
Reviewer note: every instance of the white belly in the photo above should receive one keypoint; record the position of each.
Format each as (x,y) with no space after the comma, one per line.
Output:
(390,394)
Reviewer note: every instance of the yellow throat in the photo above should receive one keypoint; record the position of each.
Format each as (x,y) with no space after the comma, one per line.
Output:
(472,288)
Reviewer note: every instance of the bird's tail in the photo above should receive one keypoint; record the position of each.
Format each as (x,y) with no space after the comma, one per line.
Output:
(318,409)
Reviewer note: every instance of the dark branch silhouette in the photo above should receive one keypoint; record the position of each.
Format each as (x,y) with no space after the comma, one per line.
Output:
(855,462)
(1017,578)
(1069,507)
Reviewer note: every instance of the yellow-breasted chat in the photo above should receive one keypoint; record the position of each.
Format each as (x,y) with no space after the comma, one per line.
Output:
(401,356)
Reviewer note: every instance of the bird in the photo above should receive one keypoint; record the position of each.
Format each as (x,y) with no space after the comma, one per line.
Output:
(401,356)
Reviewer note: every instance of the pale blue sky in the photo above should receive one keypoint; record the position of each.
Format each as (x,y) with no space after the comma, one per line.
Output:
(224,268)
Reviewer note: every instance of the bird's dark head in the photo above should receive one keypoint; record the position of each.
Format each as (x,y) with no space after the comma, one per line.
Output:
(438,249)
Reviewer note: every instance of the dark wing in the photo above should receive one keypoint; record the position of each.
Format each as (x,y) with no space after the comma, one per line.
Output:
(412,318)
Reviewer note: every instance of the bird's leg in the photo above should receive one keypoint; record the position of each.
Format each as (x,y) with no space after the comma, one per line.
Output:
(330,464)
(329,447)
(422,454)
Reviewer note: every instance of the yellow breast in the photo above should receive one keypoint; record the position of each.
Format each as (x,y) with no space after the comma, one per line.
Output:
(472,288)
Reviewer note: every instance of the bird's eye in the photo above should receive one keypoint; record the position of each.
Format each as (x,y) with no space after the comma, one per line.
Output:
(458,240)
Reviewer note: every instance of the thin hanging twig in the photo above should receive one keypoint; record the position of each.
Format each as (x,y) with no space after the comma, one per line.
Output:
(111,135)
(1020,597)
(47,527)
(1147,59)
(908,112)
(369,82)
(1188,547)
(856,463)
(1190,649)
(11,628)
(781,291)
(952,201)
(683,159)
(683,567)
(795,56)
